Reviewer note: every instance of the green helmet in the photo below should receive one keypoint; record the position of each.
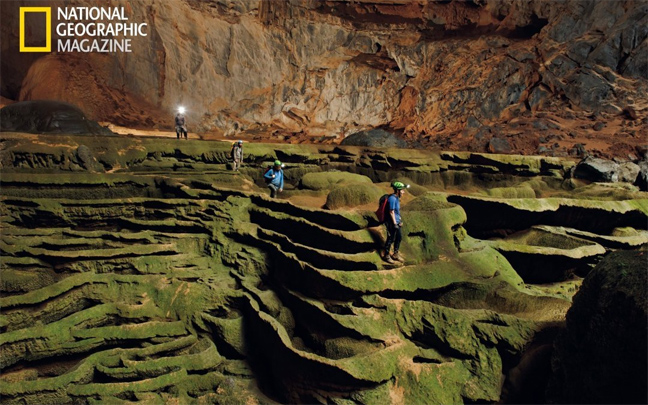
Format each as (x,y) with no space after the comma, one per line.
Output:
(277,162)
(397,185)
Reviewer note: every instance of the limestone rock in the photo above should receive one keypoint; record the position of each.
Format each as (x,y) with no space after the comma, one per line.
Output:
(171,279)
(377,138)
(48,117)
(543,255)
(498,145)
(596,169)
(628,172)
(508,215)
(324,70)
(601,355)
(87,159)
(328,180)
(642,176)
(352,195)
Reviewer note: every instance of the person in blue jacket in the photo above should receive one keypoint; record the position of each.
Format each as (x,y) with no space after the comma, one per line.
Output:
(394,223)
(275,179)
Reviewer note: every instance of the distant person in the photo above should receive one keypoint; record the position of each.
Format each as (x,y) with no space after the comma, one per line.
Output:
(394,223)
(180,124)
(274,176)
(237,154)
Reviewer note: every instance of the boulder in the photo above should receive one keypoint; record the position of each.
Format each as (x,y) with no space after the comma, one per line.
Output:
(86,159)
(601,355)
(48,117)
(578,150)
(597,169)
(628,172)
(642,177)
(498,145)
(376,138)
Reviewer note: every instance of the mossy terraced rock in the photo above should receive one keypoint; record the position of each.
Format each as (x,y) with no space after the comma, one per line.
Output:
(352,195)
(543,255)
(518,214)
(619,238)
(168,278)
(329,180)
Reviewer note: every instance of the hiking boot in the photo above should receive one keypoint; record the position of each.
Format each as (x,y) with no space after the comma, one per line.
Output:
(397,256)
(386,257)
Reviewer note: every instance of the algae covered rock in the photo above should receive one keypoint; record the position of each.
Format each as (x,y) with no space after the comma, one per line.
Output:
(601,355)
(543,255)
(353,195)
(512,192)
(328,180)
(431,226)
(486,215)
(177,281)
(87,159)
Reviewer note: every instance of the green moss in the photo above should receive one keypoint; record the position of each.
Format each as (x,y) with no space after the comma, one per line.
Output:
(353,195)
(229,331)
(602,192)
(328,180)
(21,281)
(625,232)
(429,202)
(512,192)
(131,369)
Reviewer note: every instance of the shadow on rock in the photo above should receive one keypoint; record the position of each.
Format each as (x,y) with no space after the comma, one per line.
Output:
(48,117)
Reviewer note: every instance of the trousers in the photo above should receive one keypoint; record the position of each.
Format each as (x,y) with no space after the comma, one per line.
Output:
(393,236)
(273,190)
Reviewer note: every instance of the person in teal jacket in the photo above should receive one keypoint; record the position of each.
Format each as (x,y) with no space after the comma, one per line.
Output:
(275,179)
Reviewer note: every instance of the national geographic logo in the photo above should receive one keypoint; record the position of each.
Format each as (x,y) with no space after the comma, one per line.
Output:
(48,29)
(85,29)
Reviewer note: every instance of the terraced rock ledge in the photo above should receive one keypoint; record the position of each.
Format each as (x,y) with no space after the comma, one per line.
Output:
(145,270)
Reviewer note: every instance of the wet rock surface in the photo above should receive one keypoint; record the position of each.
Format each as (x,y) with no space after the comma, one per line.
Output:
(165,277)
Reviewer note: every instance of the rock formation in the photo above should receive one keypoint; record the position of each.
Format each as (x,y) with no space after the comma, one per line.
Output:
(163,276)
(601,356)
(48,117)
(501,75)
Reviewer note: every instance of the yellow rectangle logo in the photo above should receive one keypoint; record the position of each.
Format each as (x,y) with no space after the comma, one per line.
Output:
(48,29)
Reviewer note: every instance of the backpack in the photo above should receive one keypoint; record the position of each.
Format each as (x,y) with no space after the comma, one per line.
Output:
(267,180)
(382,208)
(232,150)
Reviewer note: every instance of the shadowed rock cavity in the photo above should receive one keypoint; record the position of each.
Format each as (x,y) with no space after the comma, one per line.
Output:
(48,117)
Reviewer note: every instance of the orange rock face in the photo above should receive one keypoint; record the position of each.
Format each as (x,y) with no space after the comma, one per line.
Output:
(538,76)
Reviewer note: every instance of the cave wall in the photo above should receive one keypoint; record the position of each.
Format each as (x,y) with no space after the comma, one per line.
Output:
(336,67)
